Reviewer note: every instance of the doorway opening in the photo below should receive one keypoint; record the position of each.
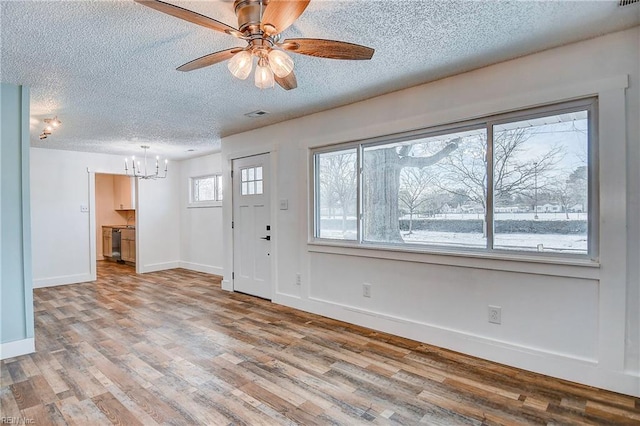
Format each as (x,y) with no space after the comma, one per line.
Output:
(115,220)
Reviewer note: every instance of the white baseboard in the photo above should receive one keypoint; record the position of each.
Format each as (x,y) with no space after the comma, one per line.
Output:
(61,280)
(17,348)
(564,366)
(154,267)
(198,267)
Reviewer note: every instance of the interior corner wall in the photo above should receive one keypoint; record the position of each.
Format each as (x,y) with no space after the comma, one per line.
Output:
(61,232)
(158,222)
(200,227)
(574,322)
(16,296)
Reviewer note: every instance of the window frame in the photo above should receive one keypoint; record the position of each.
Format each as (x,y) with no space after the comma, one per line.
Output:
(217,202)
(589,104)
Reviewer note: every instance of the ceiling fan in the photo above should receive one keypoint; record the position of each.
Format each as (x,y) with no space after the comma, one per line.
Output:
(260,23)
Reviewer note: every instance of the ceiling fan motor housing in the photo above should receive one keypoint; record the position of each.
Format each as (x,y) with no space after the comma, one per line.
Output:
(249,13)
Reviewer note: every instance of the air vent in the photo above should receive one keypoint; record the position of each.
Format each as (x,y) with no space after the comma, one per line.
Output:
(255,114)
(627,2)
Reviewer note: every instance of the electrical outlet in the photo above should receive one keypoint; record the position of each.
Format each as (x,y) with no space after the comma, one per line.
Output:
(366,290)
(495,314)
(298,279)
(84,208)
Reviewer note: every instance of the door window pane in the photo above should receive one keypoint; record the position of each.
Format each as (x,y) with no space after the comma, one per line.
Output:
(541,184)
(252,181)
(336,197)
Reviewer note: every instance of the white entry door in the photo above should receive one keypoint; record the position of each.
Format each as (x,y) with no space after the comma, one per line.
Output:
(252,226)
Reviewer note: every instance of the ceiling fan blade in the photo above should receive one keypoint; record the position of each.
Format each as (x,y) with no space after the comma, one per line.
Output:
(287,83)
(327,48)
(280,14)
(210,59)
(190,16)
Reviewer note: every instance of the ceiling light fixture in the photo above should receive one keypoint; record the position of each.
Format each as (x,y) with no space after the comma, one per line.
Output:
(270,62)
(50,125)
(140,170)
(260,25)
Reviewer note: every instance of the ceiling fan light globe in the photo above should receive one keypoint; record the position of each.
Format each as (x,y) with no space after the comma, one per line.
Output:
(280,63)
(241,64)
(264,77)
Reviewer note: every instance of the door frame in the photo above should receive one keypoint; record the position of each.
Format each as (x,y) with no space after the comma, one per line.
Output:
(93,254)
(273,174)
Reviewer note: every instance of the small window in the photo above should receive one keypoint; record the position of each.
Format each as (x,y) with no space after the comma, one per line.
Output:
(206,190)
(252,181)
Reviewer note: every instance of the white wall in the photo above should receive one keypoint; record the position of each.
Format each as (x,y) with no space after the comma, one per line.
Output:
(573,321)
(200,227)
(61,233)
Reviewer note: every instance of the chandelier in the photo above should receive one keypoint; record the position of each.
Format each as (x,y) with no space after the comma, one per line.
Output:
(140,170)
(50,125)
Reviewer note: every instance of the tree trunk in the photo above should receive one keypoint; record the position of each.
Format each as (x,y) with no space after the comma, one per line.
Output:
(381,176)
(410,222)
(381,189)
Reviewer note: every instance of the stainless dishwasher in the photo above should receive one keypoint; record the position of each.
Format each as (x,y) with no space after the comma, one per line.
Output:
(116,252)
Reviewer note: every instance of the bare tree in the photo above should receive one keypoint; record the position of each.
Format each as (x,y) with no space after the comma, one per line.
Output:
(414,184)
(464,172)
(382,168)
(571,190)
(338,181)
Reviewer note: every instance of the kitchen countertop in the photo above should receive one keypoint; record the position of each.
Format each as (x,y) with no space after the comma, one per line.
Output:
(120,226)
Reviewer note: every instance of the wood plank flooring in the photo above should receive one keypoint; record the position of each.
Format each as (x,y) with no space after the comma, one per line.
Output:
(172,348)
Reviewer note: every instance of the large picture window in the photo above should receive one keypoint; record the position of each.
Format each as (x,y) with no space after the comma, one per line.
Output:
(518,182)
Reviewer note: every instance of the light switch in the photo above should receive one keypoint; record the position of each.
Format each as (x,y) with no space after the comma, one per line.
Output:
(284,204)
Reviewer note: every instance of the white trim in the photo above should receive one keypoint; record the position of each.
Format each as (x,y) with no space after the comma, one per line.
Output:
(17,348)
(92,227)
(205,205)
(62,280)
(198,267)
(227,285)
(154,267)
(561,267)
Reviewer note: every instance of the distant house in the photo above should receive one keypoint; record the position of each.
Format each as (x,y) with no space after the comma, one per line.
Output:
(549,208)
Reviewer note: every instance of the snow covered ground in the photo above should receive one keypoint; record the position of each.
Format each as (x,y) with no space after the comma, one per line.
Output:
(554,243)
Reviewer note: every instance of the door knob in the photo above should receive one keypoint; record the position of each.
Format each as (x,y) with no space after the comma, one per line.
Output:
(268,238)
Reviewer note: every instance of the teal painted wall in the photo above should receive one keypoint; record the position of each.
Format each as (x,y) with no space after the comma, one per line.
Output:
(16,285)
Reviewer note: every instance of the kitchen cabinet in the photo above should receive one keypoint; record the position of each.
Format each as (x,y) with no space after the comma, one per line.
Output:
(128,245)
(106,241)
(124,193)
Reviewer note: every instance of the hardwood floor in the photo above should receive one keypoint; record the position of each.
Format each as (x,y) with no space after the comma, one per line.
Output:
(172,348)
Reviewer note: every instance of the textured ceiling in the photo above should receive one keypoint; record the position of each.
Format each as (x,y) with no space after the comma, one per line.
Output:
(107,68)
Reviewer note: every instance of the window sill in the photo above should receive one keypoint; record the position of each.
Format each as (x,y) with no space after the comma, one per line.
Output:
(497,261)
(204,205)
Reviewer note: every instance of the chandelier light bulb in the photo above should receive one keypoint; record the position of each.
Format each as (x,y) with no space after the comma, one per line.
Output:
(240,64)
(264,75)
(280,63)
